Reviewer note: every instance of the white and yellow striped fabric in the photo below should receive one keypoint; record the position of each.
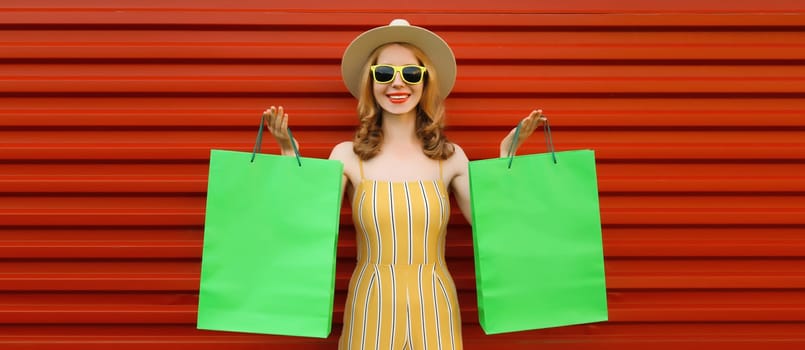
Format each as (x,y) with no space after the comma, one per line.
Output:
(401,295)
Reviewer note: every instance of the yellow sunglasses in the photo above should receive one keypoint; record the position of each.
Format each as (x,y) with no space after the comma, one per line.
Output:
(410,74)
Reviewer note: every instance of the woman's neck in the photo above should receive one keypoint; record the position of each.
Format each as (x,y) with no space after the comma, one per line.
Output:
(399,128)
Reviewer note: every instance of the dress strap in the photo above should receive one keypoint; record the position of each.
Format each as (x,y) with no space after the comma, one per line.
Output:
(360,165)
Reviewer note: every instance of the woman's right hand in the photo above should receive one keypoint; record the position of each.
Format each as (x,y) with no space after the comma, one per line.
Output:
(528,124)
(278,126)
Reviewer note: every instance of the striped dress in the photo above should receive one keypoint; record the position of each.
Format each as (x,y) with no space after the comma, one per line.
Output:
(401,295)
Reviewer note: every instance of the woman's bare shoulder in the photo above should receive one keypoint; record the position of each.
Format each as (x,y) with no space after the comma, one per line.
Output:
(458,154)
(456,164)
(343,152)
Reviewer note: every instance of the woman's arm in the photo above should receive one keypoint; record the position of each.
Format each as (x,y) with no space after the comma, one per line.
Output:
(343,152)
(278,126)
(458,164)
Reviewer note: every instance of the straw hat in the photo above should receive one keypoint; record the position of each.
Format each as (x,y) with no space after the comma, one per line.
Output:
(398,31)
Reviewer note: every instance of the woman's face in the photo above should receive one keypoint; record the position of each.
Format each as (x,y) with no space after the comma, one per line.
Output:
(397,97)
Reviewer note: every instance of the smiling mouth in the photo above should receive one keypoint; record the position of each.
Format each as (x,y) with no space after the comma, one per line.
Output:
(398,98)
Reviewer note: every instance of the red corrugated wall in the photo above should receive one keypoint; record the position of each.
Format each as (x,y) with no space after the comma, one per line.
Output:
(696,110)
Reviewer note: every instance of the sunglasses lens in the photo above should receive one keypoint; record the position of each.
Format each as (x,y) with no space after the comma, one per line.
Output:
(384,74)
(412,75)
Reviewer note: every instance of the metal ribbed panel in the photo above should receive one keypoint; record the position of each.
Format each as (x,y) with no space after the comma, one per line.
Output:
(696,113)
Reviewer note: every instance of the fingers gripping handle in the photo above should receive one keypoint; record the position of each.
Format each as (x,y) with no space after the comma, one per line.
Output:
(514,142)
(259,142)
(548,141)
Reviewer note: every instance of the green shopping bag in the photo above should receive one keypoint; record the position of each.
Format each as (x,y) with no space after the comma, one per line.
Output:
(271,225)
(537,239)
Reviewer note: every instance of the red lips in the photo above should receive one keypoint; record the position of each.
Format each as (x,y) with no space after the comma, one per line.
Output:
(398,98)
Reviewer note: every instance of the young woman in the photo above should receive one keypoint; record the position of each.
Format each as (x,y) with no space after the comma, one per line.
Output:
(398,173)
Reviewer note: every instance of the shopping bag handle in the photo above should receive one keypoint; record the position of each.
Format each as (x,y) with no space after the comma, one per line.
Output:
(259,142)
(548,141)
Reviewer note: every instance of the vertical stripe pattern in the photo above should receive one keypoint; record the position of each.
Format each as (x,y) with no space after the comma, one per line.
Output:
(401,295)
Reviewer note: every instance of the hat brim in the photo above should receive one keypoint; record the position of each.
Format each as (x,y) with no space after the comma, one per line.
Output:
(355,56)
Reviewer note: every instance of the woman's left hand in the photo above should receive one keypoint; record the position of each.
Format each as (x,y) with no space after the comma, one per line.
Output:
(528,125)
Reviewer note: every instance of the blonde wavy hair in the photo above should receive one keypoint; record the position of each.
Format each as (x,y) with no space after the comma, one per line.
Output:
(429,113)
